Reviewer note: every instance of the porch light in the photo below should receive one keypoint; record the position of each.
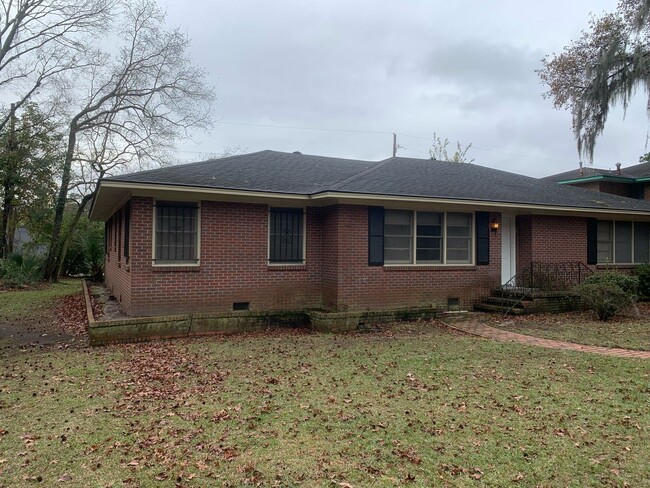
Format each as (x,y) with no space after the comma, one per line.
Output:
(494,225)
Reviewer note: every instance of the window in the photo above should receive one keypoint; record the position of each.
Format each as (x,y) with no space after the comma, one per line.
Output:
(286,235)
(641,242)
(119,234)
(459,238)
(623,242)
(398,236)
(127,230)
(430,237)
(176,239)
(114,231)
(605,244)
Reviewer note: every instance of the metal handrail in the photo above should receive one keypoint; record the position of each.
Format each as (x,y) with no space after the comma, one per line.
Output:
(541,276)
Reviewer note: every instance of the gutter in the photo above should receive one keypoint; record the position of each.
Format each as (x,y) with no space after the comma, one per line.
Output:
(346,196)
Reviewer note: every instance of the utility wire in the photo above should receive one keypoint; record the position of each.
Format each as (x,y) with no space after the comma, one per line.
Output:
(494,150)
(327,129)
(304,128)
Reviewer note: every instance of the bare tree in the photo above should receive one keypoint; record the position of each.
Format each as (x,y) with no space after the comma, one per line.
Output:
(439,152)
(131,105)
(42,39)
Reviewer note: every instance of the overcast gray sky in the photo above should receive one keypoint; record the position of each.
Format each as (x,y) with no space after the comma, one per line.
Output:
(462,69)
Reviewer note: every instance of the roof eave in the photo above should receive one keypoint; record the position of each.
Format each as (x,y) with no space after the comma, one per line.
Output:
(586,179)
(123,189)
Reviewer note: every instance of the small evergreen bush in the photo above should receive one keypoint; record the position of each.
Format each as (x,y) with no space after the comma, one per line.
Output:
(642,273)
(21,270)
(608,293)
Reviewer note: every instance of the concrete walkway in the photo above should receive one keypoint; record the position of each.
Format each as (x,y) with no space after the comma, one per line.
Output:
(471,326)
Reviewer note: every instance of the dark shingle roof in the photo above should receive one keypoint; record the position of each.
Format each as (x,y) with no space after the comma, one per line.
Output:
(636,171)
(268,171)
(278,172)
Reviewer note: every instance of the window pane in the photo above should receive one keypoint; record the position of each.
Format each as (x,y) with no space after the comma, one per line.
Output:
(398,236)
(429,237)
(176,230)
(286,235)
(604,244)
(623,242)
(641,242)
(459,238)
(429,255)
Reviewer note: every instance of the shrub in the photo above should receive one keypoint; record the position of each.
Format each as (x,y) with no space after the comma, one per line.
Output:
(625,282)
(607,294)
(85,255)
(642,273)
(21,270)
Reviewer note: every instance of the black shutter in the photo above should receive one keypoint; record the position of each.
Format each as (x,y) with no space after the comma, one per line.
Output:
(592,241)
(375,236)
(482,238)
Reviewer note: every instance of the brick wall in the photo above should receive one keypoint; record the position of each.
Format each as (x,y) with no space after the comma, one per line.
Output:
(622,189)
(551,239)
(646,191)
(330,260)
(233,264)
(363,287)
(116,265)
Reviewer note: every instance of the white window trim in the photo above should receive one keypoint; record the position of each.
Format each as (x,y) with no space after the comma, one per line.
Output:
(177,264)
(443,251)
(268,239)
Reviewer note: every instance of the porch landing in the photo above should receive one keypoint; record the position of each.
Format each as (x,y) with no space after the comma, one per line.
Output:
(471,325)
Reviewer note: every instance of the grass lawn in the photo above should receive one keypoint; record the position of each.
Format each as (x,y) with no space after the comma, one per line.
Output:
(414,405)
(582,328)
(23,303)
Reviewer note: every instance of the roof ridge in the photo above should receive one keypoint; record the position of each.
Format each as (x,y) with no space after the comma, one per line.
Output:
(193,163)
(350,179)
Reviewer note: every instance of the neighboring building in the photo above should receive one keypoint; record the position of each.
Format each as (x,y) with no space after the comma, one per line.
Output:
(281,231)
(633,181)
(23,243)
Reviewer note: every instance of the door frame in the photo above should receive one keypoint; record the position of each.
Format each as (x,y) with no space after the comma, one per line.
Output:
(508,247)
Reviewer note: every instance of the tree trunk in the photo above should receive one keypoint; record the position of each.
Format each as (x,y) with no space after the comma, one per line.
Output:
(6,210)
(9,182)
(11,230)
(52,265)
(67,238)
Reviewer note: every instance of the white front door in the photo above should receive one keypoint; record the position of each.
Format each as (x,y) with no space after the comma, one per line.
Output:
(508,248)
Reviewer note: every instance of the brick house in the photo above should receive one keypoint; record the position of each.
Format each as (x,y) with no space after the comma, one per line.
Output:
(273,231)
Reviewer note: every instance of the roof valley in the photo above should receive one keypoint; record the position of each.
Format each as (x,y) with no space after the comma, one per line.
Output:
(365,172)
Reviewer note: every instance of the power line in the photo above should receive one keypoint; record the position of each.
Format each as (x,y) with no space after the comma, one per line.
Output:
(496,150)
(358,131)
(304,128)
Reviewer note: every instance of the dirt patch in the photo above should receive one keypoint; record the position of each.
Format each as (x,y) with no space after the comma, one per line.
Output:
(63,325)
(545,321)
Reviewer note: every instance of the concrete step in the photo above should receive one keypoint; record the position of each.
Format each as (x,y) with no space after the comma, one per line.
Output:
(486,307)
(503,301)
